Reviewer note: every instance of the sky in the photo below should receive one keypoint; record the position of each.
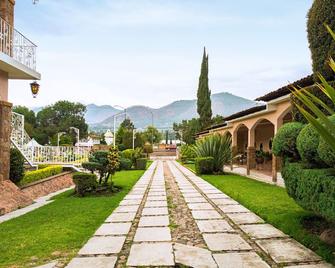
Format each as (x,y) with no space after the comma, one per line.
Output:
(148,52)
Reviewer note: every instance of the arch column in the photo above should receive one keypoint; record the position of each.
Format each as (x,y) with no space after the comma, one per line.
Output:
(276,161)
(251,151)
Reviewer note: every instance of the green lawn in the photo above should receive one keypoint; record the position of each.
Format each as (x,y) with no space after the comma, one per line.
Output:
(272,204)
(61,228)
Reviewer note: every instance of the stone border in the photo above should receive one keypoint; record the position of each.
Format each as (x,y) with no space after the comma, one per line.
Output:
(44,180)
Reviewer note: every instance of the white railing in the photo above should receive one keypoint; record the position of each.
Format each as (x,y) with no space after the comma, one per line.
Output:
(16,45)
(37,154)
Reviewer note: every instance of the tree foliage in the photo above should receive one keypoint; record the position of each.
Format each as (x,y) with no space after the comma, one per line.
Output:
(29,118)
(321,44)
(187,130)
(204,104)
(151,135)
(124,134)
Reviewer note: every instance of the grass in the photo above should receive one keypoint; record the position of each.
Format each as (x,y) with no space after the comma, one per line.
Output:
(273,205)
(61,228)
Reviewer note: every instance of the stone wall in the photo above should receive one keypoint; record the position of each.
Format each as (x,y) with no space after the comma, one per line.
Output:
(5,130)
(49,185)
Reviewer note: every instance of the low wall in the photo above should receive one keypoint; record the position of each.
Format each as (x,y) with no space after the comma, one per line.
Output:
(49,185)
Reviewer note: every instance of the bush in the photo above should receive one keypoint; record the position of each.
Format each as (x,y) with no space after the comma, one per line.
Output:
(312,189)
(187,153)
(129,154)
(141,163)
(204,165)
(41,166)
(91,166)
(285,142)
(40,174)
(84,182)
(147,148)
(325,152)
(216,146)
(16,170)
(307,145)
(125,164)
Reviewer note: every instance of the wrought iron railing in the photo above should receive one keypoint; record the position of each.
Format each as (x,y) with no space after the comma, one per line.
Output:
(16,45)
(37,154)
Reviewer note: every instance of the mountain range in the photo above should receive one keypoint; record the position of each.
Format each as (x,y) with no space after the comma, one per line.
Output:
(102,117)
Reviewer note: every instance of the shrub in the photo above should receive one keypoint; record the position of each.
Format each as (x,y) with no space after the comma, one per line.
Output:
(285,142)
(98,161)
(91,166)
(84,182)
(141,163)
(326,152)
(41,166)
(147,148)
(16,169)
(312,189)
(307,145)
(125,164)
(204,165)
(187,153)
(129,154)
(40,174)
(216,146)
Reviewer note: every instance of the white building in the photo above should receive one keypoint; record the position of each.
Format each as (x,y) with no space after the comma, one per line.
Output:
(109,137)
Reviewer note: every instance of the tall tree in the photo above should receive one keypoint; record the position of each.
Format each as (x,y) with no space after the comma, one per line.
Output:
(124,134)
(204,104)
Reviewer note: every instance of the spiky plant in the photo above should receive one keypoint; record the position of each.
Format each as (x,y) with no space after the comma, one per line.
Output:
(318,119)
(217,146)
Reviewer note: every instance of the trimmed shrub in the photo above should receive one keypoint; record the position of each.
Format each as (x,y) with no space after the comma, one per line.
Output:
(41,166)
(312,189)
(216,146)
(91,166)
(204,165)
(307,145)
(125,164)
(129,154)
(285,142)
(187,153)
(85,182)
(141,163)
(40,174)
(326,153)
(16,170)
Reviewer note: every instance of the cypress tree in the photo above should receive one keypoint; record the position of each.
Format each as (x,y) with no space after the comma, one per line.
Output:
(204,104)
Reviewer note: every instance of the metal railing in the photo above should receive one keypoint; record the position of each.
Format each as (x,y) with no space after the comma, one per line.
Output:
(16,45)
(37,154)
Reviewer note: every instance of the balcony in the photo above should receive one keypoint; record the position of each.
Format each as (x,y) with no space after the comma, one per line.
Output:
(17,53)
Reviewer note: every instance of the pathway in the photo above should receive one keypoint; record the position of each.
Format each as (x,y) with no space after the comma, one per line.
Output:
(174,218)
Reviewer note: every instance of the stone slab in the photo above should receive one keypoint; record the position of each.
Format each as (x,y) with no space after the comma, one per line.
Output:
(240,260)
(217,196)
(103,245)
(214,226)
(133,197)
(225,202)
(154,211)
(157,198)
(262,231)
(132,208)
(192,195)
(287,250)
(234,209)
(151,254)
(319,265)
(114,228)
(205,214)
(193,256)
(154,221)
(96,262)
(130,202)
(195,200)
(152,234)
(153,204)
(218,242)
(244,218)
(121,217)
(156,194)
(200,206)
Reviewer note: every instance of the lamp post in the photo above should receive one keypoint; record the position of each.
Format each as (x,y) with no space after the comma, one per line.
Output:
(134,132)
(59,134)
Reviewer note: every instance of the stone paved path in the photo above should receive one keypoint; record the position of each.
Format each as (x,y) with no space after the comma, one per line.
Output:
(143,230)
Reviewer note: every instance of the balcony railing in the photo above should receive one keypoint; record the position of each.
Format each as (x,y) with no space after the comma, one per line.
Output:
(16,45)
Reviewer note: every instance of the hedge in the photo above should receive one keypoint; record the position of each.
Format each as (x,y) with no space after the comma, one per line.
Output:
(16,169)
(40,174)
(141,163)
(85,182)
(204,165)
(125,164)
(312,189)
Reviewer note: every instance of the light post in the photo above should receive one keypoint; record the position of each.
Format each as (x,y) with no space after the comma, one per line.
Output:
(77,132)
(134,132)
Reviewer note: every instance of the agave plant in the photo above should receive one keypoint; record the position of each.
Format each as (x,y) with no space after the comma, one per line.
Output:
(320,120)
(216,146)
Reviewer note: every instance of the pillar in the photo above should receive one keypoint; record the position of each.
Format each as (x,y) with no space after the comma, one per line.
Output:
(5,132)
(276,161)
(7,11)
(251,158)
(233,154)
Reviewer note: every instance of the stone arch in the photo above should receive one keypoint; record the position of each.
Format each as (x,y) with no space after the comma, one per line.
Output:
(285,116)
(240,138)
(263,132)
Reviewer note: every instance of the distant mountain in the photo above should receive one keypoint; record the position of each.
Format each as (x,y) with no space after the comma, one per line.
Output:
(101,117)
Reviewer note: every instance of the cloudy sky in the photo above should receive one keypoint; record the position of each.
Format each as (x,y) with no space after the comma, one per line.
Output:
(148,52)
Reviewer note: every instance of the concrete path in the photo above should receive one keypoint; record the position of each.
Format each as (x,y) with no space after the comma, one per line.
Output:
(145,229)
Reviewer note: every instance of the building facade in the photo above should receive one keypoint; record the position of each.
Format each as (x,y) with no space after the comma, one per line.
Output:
(252,130)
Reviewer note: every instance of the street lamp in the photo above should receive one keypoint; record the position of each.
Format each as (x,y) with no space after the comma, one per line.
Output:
(123,108)
(59,134)
(134,132)
(77,132)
